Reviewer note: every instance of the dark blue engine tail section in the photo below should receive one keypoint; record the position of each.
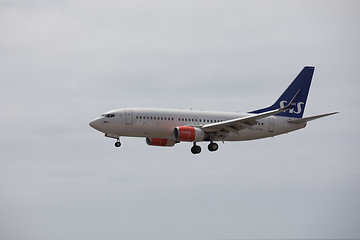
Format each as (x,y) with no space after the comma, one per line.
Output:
(302,82)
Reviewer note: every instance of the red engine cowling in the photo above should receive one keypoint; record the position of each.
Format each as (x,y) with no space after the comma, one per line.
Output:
(188,134)
(162,142)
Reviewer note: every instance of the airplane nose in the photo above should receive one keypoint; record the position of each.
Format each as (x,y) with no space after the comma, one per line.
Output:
(94,124)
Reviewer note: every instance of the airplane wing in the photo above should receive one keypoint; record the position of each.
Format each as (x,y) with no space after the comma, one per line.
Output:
(237,124)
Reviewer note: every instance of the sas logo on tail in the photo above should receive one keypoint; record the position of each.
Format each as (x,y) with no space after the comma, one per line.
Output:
(296,109)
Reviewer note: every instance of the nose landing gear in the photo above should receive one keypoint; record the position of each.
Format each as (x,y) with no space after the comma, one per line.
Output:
(118,143)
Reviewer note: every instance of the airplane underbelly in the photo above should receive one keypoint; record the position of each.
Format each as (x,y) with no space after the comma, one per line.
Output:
(248,135)
(150,129)
(259,133)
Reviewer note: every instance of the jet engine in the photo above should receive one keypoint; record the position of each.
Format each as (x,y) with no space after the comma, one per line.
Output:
(162,142)
(189,134)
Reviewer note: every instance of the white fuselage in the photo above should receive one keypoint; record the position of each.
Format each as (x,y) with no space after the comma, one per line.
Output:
(166,127)
(160,123)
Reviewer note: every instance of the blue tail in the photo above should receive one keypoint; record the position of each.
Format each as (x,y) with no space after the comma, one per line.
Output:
(302,82)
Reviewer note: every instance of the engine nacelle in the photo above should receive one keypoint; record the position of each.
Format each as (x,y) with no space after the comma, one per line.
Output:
(189,134)
(162,142)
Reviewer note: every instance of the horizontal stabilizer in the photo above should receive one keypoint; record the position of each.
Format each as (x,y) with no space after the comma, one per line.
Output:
(305,120)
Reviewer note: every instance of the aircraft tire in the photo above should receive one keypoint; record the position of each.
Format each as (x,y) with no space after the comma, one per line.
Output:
(196,149)
(213,147)
(117,144)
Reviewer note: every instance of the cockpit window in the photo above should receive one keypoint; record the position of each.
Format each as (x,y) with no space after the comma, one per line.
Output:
(109,115)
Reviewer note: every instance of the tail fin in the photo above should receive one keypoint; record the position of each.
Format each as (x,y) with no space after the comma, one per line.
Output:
(302,82)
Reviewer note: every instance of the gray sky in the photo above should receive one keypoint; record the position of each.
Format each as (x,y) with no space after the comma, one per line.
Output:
(63,63)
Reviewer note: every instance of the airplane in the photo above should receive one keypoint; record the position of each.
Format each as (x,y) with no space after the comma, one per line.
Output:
(167,127)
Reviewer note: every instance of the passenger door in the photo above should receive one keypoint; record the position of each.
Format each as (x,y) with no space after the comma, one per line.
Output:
(271,124)
(128,117)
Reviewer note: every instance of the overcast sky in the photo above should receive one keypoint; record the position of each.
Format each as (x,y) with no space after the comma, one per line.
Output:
(63,63)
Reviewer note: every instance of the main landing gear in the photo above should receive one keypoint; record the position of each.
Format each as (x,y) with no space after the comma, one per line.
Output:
(196,149)
(118,143)
(213,147)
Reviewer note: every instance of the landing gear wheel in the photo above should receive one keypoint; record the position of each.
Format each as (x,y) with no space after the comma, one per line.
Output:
(213,147)
(117,144)
(196,149)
